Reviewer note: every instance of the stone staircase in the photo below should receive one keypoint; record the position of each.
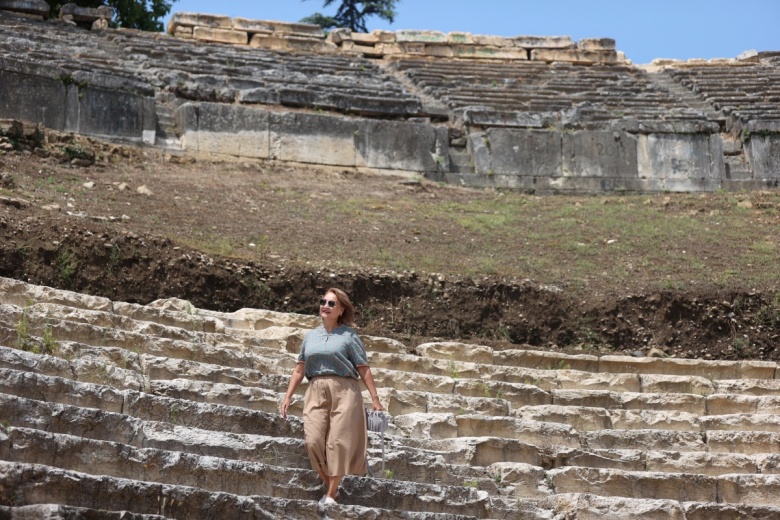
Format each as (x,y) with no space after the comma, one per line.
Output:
(118,410)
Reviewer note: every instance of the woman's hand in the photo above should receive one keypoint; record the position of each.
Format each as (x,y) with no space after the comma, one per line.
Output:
(376,406)
(284,406)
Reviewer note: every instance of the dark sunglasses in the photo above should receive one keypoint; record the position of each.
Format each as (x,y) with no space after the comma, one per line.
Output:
(329,303)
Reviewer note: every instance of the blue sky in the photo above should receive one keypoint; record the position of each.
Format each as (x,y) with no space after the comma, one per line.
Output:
(643,29)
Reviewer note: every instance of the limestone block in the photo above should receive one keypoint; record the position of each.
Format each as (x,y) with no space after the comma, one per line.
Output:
(492,41)
(340,35)
(543,360)
(252,26)
(575,56)
(34,7)
(515,393)
(763,149)
(722,404)
(711,464)
(663,384)
(457,404)
(427,425)
(742,422)
(411,381)
(694,404)
(456,351)
(699,511)
(15,359)
(20,294)
(767,464)
(517,152)
(209,34)
(511,119)
(488,52)
(298,29)
(534,432)
(575,380)
(596,44)
(652,420)
(600,154)
(674,156)
(260,399)
(213,20)
(588,398)
(460,38)
(409,36)
(258,319)
(405,402)
(439,51)
(60,390)
(746,442)
(371,38)
(664,486)
(487,451)
(750,387)
(384,36)
(578,417)
(385,345)
(291,42)
(182,31)
(627,460)
(87,14)
(313,138)
(761,490)
(593,507)
(402,146)
(543,42)
(527,480)
(658,440)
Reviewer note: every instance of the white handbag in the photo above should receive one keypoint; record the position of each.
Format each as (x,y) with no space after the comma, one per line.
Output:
(377,422)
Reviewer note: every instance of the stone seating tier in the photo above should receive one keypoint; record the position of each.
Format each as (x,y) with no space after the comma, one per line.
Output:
(165,400)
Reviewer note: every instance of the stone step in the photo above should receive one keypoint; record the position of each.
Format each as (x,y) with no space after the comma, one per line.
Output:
(584,506)
(60,512)
(40,484)
(760,490)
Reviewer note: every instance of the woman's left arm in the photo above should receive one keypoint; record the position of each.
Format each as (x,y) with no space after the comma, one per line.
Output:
(368,380)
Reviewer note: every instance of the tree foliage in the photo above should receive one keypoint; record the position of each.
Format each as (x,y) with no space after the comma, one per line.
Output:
(133,14)
(352,14)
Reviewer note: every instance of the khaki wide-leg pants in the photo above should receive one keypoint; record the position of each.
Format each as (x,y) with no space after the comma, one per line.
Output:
(334,425)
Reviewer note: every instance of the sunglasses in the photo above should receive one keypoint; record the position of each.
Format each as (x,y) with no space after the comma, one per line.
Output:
(329,303)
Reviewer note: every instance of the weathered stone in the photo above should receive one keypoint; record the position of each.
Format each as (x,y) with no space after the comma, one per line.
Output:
(543,42)
(408,36)
(35,7)
(210,34)
(575,56)
(87,14)
(596,44)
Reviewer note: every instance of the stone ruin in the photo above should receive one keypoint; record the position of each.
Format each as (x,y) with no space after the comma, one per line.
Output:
(540,114)
(114,410)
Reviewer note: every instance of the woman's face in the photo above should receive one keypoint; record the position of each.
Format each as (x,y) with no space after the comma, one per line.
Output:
(326,311)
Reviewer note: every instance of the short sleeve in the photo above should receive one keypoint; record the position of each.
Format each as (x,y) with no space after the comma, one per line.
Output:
(357,351)
(302,354)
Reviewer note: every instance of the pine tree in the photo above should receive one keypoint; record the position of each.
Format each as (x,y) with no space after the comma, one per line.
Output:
(352,14)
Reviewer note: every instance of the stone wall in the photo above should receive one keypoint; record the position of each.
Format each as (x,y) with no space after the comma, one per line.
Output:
(543,114)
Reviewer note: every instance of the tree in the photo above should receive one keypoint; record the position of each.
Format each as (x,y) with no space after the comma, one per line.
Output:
(133,14)
(352,14)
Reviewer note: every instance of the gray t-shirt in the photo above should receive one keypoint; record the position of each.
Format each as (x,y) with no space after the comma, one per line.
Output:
(338,353)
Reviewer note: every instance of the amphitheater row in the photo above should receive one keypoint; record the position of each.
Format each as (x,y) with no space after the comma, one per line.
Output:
(559,112)
(535,460)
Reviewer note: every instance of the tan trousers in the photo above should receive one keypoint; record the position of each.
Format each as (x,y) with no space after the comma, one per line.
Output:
(334,425)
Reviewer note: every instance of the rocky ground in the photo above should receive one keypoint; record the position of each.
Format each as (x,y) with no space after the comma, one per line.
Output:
(137,224)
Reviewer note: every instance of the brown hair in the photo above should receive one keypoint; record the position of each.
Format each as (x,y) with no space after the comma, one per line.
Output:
(349,310)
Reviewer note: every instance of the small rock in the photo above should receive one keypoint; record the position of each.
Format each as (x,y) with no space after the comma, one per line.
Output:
(143,190)
(51,207)
(656,353)
(122,187)
(7,180)
(89,185)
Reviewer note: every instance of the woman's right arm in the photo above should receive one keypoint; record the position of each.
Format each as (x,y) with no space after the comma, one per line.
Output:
(295,381)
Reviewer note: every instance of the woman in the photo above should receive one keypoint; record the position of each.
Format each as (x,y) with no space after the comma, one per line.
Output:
(332,358)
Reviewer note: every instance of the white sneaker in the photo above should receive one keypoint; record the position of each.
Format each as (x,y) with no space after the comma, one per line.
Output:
(326,501)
